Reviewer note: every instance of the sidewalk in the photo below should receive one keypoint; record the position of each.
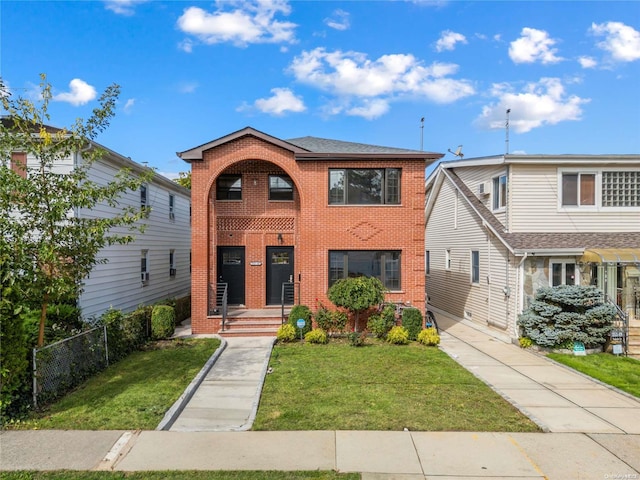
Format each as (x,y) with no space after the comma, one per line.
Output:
(596,429)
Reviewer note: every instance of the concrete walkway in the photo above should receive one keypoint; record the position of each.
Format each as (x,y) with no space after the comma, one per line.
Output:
(597,428)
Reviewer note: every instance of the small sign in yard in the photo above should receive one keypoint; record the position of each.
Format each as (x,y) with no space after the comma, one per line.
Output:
(578,349)
(301,323)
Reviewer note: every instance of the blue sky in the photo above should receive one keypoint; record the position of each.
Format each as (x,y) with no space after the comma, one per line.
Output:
(360,71)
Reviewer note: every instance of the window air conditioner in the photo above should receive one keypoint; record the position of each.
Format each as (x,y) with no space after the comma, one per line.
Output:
(145,276)
(484,188)
(172,272)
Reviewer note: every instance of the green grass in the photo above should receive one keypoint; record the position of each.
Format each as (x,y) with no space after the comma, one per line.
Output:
(378,387)
(186,475)
(132,394)
(620,372)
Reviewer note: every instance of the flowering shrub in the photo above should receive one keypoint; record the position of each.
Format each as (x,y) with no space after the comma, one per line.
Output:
(317,335)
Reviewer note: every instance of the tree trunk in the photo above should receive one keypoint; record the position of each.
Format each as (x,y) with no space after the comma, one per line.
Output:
(43,319)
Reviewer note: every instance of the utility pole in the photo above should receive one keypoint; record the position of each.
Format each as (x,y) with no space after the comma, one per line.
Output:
(507,132)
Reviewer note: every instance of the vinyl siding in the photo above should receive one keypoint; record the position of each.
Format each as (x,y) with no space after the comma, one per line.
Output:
(473,177)
(535,204)
(117,283)
(453,225)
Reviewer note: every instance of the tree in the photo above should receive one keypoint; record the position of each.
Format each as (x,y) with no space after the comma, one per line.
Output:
(357,294)
(46,249)
(184,179)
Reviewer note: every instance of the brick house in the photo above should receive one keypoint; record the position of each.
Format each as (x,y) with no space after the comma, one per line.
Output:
(267,211)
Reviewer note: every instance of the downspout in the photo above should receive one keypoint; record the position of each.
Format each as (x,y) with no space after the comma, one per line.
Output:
(519,292)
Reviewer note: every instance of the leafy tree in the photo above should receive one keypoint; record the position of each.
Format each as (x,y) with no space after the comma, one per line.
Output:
(184,179)
(356,294)
(46,249)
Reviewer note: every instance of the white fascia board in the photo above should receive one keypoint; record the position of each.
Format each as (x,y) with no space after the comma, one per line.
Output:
(550,252)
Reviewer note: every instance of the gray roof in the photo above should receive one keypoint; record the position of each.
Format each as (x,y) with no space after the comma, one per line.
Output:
(529,241)
(326,145)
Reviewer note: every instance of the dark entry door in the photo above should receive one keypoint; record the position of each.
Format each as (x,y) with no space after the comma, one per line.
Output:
(231,270)
(279,270)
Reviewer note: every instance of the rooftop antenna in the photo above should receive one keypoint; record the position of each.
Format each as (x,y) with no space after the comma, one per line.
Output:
(421,132)
(507,132)
(458,153)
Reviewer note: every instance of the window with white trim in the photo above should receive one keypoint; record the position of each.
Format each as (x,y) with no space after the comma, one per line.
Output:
(500,192)
(447,259)
(563,272)
(578,189)
(144,266)
(172,263)
(172,204)
(475,266)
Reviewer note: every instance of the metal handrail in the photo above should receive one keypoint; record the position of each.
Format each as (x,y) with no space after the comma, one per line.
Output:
(221,300)
(288,296)
(623,326)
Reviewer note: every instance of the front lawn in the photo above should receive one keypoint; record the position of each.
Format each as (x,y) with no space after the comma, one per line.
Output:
(620,372)
(378,387)
(132,394)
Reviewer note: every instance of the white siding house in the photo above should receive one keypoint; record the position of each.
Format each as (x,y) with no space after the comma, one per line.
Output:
(498,228)
(156,265)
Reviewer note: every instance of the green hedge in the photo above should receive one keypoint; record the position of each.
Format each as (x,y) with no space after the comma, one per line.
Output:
(163,322)
(412,321)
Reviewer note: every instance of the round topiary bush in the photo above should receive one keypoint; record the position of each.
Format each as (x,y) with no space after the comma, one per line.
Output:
(398,336)
(286,333)
(300,312)
(163,322)
(429,337)
(317,335)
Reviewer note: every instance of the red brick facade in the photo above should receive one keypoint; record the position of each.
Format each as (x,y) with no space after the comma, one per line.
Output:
(308,223)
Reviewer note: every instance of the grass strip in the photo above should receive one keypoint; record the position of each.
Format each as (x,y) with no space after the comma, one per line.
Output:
(378,387)
(620,372)
(179,475)
(132,394)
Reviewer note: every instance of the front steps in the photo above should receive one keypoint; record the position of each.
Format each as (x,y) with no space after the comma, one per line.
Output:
(634,339)
(243,322)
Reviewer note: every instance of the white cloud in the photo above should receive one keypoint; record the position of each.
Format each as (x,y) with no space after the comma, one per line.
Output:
(188,87)
(281,102)
(366,87)
(339,20)
(587,62)
(448,40)
(250,22)
(621,41)
(186,45)
(122,7)
(80,93)
(533,45)
(129,105)
(538,104)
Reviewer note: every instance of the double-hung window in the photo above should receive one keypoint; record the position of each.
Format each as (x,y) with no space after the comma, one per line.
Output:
(364,186)
(384,265)
(500,192)
(229,187)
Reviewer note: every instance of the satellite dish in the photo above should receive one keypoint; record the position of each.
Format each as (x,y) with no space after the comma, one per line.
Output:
(458,153)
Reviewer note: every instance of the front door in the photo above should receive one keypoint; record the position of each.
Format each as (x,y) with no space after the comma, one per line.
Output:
(231,270)
(279,270)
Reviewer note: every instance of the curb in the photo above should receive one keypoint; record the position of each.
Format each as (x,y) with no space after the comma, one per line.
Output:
(176,409)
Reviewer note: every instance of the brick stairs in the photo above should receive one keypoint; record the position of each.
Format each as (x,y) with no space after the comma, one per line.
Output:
(634,338)
(242,322)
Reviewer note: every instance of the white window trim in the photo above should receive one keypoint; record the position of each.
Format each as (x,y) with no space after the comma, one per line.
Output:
(471,267)
(494,193)
(563,261)
(447,259)
(598,204)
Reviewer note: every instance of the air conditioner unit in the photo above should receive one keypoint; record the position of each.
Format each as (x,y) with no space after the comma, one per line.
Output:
(172,216)
(144,276)
(484,188)
(172,272)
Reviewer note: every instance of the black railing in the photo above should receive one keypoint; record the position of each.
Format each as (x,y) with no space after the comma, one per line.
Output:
(620,333)
(218,304)
(288,296)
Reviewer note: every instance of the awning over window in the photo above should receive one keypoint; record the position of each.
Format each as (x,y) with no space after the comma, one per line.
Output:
(611,255)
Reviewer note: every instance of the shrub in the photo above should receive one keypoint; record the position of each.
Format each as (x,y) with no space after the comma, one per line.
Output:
(398,336)
(286,333)
(356,294)
(14,366)
(565,314)
(380,323)
(429,337)
(163,322)
(358,339)
(525,342)
(331,321)
(297,312)
(412,321)
(317,335)
(183,308)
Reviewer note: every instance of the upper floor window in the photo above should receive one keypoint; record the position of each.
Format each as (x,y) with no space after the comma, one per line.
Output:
(500,192)
(578,189)
(621,189)
(229,187)
(143,196)
(19,163)
(280,187)
(384,265)
(447,259)
(427,262)
(172,204)
(364,186)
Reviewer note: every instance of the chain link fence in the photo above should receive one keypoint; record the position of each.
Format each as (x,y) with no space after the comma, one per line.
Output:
(59,367)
